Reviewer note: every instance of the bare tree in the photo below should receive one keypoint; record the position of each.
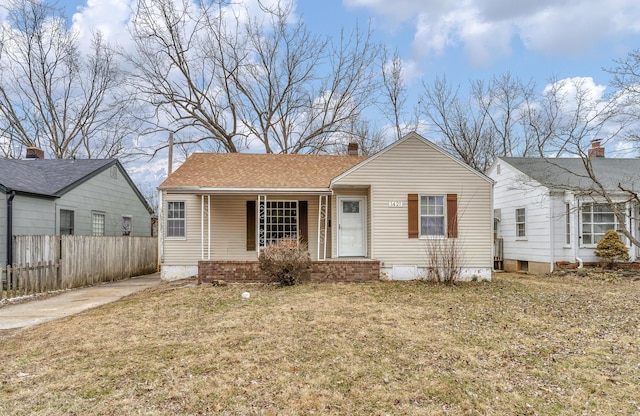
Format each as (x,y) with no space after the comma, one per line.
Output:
(493,120)
(216,74)
(573,116)
(395,93)
(464,131)
(54,96)
(626,79)
(506,101)
(626,73)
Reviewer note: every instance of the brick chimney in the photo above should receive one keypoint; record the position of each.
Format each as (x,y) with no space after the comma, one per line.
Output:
(34,153)
(352,150)
(596,150)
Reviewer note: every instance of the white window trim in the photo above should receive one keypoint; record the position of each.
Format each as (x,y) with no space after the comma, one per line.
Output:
(594,245)
(131,223)
(166,225)
(521,237)
(60,209)
(444,215)
(273,201)
(104,223)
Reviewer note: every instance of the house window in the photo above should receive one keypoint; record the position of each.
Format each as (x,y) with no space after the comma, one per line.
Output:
(432,218)
(521,224)
(567,227)
(97,223)
(281,221)
(597,219)
(66,222)
(175,219)
(126,225)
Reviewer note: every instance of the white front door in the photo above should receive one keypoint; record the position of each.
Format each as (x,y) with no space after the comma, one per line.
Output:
(352,240)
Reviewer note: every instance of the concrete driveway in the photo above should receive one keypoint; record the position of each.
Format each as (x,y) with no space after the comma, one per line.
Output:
(70,302)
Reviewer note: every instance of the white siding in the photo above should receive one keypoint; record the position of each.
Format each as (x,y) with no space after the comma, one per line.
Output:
(512,191)
(414,166)
(563,251)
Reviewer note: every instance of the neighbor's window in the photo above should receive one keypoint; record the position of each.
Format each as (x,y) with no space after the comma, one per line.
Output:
(432,220)
(126,225)
(281,221)
(175,219)
(97,223)
(66,222)
(597,219)
(521,224)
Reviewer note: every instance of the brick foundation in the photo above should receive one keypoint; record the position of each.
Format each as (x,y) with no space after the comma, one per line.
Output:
(321,271)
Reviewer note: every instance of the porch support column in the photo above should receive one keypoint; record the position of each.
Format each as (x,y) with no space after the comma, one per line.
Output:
(262,221)
(202,227)
(322,226)
(205,204)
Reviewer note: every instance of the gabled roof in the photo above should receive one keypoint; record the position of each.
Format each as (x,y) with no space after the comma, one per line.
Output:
(413,135)
(237,171)
(571,174)
(49,177)
(52,178)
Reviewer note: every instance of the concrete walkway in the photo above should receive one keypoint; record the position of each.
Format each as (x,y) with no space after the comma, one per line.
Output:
(70,302)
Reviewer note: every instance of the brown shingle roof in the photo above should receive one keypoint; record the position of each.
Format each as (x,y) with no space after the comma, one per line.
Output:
(243,170)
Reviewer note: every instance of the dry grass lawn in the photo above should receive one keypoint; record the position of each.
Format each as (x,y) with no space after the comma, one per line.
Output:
(520,345)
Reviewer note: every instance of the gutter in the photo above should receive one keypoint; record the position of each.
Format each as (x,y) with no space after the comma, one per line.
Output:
(246,191)
(10,228)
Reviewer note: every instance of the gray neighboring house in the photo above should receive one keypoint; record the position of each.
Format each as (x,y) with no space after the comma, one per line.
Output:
(72,196)
(548,211)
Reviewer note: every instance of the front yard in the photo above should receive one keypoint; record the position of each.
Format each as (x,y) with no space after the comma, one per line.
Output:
(520,345)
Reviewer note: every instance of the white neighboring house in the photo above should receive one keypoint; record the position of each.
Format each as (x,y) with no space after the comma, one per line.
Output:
(549,211)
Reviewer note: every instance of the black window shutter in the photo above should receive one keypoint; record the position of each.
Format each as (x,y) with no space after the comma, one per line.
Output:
(303,222)
(251,225)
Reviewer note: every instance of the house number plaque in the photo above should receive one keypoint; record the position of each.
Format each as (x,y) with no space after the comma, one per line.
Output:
(396,204)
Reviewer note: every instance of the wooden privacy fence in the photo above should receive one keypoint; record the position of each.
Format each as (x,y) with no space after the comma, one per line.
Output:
(47,262)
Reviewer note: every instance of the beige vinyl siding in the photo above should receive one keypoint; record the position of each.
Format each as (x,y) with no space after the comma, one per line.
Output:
(414,166)
(228,228)
(183,251)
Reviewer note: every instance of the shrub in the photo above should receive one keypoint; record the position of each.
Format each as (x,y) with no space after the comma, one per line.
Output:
(285,262)
(611,249)
(444,260)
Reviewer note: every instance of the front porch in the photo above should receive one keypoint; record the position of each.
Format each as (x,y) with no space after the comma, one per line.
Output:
(242,271)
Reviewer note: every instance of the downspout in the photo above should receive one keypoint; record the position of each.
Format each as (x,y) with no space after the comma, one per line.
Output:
(551,234)
(577,239)
(10,228)
(160,231)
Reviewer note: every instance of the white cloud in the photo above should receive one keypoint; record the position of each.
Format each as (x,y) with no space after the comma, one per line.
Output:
(485,28)
(109,17)
(569,88)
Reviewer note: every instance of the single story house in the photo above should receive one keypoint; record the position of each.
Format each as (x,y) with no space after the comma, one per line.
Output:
(360,216)
(70,196)
(549,211)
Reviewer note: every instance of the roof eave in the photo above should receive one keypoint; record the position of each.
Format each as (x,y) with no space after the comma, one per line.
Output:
(214,190)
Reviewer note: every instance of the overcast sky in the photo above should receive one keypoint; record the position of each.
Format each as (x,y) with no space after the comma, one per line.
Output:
(468,39)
